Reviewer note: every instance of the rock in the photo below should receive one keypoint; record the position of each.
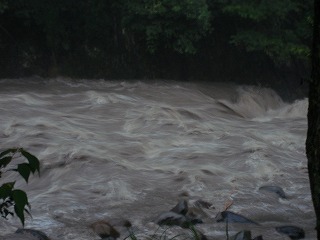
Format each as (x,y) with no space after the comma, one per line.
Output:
(127,224)
(197,234)
(291,231)
(196,213)
(233,218)
(195,221)
(171,218)
(203,237)
(243,235)
(105,230)
(181,207)
(179,216)
(203,204)
(38,235)
(120,222)
(275,189)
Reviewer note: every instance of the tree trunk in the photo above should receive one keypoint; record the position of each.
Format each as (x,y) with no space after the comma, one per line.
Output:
(313,134)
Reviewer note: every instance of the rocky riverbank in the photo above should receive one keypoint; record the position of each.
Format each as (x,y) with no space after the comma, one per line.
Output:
(182,216)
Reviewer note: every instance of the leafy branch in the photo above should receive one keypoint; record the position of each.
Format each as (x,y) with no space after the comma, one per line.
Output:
(9,196)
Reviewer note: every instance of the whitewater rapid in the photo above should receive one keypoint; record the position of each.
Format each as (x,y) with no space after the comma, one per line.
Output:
(130,150)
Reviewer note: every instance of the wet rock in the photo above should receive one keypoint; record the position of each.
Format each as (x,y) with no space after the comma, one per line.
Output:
(291,231)
(184,194)
(181,207)
(233,218)
(196,213)
(105,230)
(127,224)
(197,234)
(243,235)
(171,218)
(32,234)
(203,204)
(120,222)
(195,221)
(275,189)
(179,216)
(203,237)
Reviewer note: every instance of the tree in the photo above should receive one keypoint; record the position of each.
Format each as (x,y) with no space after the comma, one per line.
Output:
(173,24)
(279,29)
(110,37)
(313,134)
(9,196)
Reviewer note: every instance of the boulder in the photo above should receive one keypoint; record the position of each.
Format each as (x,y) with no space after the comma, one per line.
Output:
(230,217)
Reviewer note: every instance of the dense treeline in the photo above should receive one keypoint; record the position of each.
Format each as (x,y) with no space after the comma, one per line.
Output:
(180,39)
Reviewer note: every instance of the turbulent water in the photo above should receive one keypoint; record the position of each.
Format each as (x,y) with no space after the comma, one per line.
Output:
(117,150)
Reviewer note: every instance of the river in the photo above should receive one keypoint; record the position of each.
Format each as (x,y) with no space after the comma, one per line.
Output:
(130,150)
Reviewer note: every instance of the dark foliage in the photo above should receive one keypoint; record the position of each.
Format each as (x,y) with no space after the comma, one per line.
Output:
(188,39)
(9,196)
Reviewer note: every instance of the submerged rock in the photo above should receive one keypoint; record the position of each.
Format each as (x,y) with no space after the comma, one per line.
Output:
(171,218)
(179,216)
(127,223)
(181,207)
(291,231)
(105,230)
(203,204)
(31,233)
(275,189)
(196,213)
(230,217)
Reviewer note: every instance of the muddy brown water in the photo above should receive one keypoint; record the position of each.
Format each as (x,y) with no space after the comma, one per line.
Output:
(131,149)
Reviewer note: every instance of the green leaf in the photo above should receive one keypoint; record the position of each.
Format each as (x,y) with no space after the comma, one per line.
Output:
(33,161)
(24,170)
(5,161)
(21,200)
(11,150)
(6,190)
(19,214)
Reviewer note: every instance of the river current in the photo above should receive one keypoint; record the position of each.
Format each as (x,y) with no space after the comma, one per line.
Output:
(131,150)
